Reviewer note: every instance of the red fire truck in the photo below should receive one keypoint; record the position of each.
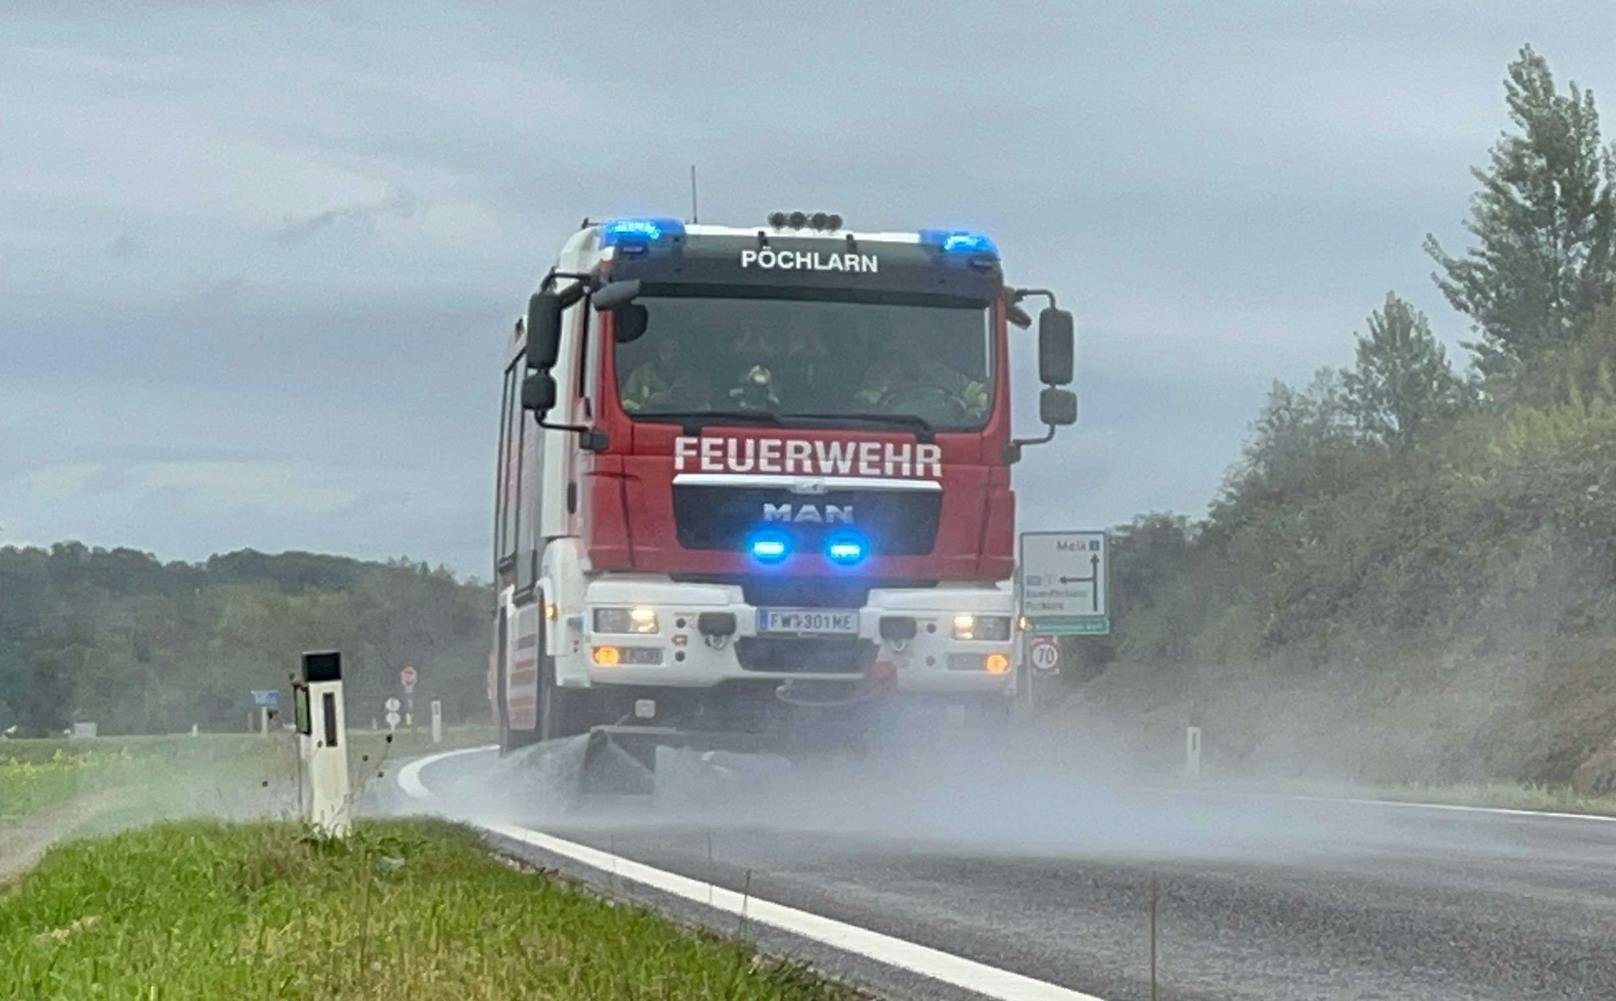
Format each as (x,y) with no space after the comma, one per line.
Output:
(751,476)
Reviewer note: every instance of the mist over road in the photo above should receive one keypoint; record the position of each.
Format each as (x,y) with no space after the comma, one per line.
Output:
(1045,871)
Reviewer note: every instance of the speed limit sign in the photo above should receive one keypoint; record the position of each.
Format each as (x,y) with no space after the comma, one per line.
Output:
(1044,653)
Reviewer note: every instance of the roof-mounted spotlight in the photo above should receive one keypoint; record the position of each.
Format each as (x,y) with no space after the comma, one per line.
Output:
(834,222)
(819,220)
(797,220)
(777,220)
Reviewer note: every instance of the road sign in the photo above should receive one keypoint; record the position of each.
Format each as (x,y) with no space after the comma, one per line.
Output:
(1043,652)
(266,698)
(1063,579)
(393,704)
(392,721)
(407,678)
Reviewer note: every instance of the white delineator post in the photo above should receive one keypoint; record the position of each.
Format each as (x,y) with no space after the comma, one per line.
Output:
(322,738)
(1192,752)
(437,721)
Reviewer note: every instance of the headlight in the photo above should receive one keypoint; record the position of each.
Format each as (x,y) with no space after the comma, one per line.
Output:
(992,628)
(626,620)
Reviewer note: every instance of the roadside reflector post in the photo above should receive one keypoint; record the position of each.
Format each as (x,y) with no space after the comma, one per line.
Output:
(322,740)
(1192,752)
(437,721)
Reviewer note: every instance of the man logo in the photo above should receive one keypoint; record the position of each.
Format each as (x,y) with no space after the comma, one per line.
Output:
(817,514)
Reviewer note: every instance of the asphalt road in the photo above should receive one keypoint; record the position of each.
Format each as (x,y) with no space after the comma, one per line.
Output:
(1047,871)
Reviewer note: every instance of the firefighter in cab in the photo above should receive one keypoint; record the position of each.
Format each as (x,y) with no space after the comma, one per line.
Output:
(916,383)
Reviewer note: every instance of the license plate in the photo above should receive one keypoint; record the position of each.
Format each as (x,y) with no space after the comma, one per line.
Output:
(808,621)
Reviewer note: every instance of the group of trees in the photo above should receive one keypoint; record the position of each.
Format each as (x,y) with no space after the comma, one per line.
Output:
(140,646)
(1400,500)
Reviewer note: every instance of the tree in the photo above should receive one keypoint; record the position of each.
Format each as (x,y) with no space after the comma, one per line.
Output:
(1544,219)
(1402,383)
(43,701)
(136,645)
(1295,433)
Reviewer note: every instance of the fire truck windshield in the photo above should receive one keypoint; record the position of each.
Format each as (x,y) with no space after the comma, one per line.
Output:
(922,365)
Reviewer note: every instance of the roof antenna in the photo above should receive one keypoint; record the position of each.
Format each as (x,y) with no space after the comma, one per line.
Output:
(694,218)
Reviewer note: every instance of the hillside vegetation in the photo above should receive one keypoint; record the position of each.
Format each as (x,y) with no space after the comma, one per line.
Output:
(1411,573)
(139,646)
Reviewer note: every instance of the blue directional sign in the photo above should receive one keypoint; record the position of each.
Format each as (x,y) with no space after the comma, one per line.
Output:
(266,698)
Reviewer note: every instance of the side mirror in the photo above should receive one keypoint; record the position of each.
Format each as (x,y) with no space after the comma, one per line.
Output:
(1057,407)
(539,393)
(1055,347)
(543,330)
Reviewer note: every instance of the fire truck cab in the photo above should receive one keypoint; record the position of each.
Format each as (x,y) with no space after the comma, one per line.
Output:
(749,476)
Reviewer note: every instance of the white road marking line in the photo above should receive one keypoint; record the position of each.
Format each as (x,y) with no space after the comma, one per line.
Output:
(409,777)
(1504,811)
(934,963)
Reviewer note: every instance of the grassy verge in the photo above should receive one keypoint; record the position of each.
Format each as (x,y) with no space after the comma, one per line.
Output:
(28,786)
(216,774)
(400,910)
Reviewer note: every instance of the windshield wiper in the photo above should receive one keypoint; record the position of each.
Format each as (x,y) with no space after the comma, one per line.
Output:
(693,419)
(918,424)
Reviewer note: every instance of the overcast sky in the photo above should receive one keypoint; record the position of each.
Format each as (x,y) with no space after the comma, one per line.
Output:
(257,267)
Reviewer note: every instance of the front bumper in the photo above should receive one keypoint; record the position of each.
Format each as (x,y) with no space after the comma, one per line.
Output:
(932,662)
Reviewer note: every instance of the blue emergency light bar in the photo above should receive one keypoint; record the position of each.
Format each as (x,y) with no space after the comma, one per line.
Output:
(638,231)
(959,241)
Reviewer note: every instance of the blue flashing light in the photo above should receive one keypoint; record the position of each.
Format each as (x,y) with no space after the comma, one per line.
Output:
(639,231)
(959,241)
(845,548)
(769,547)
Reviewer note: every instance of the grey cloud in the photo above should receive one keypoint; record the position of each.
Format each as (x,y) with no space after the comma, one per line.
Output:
(146,453)
(113,478)
(127,245)
(361,217)
(1221,192)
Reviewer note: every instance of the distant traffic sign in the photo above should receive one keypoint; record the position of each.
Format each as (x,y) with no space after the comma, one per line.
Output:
(393,704)
(1044,653)
(266,698)
(407,678)
(1063,579)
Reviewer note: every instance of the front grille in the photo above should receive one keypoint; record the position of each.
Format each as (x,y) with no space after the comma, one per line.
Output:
(797,655)
(805,592)
(896,522)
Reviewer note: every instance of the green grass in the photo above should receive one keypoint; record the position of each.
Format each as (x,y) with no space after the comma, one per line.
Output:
(33,783)
(403,909)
